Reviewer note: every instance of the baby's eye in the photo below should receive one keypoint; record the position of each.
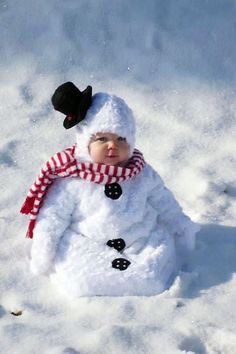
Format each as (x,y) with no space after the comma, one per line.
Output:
(102,138)
(121,138)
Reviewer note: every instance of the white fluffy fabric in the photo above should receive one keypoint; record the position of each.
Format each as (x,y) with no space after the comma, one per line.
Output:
(77,219)
(109,114)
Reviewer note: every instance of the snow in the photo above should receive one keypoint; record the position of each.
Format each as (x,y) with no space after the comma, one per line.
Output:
(174,63)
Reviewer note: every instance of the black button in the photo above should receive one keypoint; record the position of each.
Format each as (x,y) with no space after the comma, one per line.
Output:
(120,263)
(117,243)
(113,190)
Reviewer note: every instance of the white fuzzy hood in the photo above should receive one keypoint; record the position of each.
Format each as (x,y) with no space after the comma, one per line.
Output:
(108,113)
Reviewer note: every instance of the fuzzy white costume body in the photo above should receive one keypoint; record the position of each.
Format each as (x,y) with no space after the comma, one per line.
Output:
(77,220)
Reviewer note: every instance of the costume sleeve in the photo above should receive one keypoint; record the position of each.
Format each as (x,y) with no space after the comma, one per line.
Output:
(171,215)
(53,219)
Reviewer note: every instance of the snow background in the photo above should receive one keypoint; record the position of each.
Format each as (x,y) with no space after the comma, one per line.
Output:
(174,63)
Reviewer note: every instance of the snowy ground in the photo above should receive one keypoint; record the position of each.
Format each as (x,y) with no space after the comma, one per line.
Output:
(174,63)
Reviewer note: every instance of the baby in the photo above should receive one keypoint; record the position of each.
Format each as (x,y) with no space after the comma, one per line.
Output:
(107,225)
(109,149)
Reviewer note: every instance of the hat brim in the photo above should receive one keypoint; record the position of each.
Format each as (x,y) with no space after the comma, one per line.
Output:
(70,121)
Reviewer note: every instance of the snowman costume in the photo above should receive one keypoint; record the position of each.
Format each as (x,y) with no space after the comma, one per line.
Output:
(126,238)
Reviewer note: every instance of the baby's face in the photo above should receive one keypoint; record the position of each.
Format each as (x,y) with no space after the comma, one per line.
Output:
(109,149)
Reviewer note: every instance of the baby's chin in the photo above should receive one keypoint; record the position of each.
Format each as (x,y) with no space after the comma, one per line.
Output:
(114,163)
(118,164)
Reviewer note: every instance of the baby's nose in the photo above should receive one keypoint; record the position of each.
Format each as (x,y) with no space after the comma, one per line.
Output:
(112,144)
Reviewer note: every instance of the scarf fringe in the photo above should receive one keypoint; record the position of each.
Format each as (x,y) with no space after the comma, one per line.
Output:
(28,205)
(30,230)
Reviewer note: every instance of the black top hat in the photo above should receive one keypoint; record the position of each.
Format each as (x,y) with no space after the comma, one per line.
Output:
(68,99)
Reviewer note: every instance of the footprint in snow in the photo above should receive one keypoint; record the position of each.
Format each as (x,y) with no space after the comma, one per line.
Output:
(230,191)
(2,311)
(70,351)
(7,152)
(192,344)
(26,94)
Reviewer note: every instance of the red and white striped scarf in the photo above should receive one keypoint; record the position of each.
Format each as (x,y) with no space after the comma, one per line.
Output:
(64,164)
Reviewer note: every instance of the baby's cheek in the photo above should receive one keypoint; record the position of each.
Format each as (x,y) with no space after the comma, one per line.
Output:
(97,154)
